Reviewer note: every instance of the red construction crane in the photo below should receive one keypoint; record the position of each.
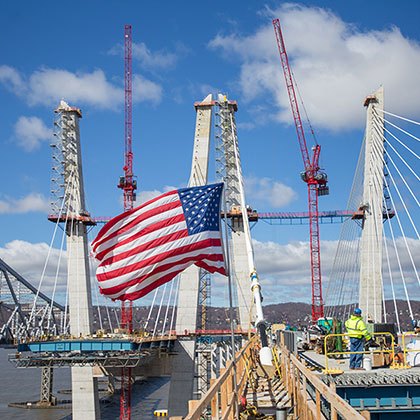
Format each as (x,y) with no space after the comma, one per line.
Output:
(313,176)
(128,184)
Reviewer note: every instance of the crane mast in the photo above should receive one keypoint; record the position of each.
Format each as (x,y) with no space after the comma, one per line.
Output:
(313,176)
(128,184)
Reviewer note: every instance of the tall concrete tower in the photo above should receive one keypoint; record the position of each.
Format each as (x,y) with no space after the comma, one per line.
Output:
(370,289)
(183,371)
(228,140)
(186,318)
(84,385)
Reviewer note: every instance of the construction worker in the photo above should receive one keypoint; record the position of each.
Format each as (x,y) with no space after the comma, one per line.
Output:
(356,330)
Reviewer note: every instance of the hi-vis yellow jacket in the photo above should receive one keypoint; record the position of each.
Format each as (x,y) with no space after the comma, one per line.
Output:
(357,328)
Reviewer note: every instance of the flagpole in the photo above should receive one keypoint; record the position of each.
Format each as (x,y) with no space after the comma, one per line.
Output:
(232,326)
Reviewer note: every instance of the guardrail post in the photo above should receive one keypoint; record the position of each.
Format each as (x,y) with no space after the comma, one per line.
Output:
(305,398)
(318,405)
(288,372)
(293,382)
(214,403)
(297,393)
(333,410)
(229,395)
(223,392)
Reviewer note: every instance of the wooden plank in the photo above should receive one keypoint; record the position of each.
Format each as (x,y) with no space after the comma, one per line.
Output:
(231,394)
(365,414)
(223,396)
(192,404)
(333,410)
(297,387)
(214,403)
(229,409)
(318,404)
(305,397)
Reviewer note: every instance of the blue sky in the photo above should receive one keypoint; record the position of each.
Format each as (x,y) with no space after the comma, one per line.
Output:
(339,51)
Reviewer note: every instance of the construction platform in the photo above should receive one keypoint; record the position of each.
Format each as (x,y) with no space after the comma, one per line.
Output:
(384,392)
(90,352)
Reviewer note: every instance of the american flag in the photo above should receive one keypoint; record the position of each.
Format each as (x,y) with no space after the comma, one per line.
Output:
(148,246)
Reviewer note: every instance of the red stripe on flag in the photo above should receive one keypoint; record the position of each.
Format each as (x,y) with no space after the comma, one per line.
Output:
(143,216)
(162,240)
(143,292)
(211,268)
(159,269)
(158,258)
(147,230)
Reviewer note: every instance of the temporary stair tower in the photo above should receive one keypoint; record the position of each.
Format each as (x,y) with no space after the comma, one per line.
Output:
(231,172)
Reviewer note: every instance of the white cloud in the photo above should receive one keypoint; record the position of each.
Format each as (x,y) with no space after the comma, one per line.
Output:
(32,202)
(144,196)
(290,264)
(11,79)
(30,131)
(147,59)
(145,90)
(48,86)
(268,190)
(152,60)
(336,65)
(28,260)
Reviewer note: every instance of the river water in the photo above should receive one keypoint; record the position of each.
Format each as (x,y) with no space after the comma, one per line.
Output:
(18,385)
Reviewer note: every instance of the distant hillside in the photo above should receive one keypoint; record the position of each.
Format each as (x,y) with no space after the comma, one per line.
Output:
(295,314)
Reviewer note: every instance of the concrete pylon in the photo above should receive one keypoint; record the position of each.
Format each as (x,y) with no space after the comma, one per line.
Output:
(370,289)
(186,318)
(85,396)
(233,179)
(183,368)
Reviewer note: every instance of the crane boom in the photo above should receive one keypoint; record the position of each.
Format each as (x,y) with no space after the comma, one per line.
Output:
(313,176)
(292,95)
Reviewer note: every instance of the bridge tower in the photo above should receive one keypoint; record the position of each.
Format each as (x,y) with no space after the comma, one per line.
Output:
(370,288)
(84,385)
(231,172)
(191,280)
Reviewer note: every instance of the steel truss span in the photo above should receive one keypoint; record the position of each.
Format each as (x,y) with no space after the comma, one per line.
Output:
(19,317)
(129,360)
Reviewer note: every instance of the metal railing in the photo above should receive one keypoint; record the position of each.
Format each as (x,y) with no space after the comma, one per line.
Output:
(327,370)
(309,395)
(405,350)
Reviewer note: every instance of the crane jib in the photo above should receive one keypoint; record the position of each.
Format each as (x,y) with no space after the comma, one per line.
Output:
(313,176)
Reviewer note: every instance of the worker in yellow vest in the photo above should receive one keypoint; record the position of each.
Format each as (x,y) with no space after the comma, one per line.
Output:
(357,331)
